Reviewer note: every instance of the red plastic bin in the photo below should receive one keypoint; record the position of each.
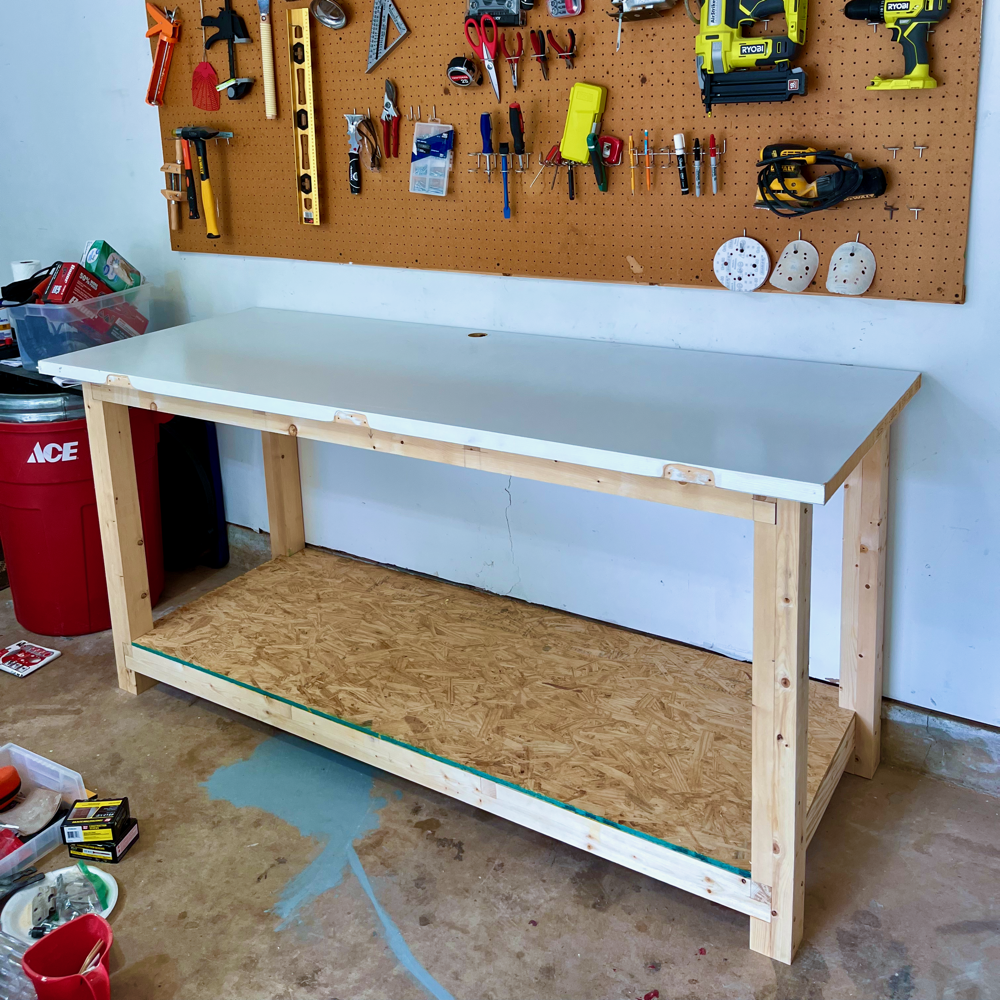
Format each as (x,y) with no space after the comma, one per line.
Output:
(50,528)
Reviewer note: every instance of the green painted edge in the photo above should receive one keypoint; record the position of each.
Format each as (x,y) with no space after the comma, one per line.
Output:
(714,862)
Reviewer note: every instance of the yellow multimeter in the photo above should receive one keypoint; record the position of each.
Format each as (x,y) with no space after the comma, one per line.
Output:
(586,108)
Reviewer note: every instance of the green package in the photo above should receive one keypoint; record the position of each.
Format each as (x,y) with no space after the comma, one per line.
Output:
(102,260)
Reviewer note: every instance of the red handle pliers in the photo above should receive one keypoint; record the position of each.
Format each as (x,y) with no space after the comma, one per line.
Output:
(514,59)
(566,54)
(538,47)
(390,122)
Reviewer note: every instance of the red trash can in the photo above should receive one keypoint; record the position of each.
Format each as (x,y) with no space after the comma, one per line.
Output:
(48,511)
(53,964)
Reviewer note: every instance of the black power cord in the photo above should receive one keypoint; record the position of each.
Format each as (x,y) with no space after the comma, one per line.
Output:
(850,181)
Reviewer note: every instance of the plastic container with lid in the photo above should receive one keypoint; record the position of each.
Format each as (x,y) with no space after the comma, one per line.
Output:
(44,331)
(39,772)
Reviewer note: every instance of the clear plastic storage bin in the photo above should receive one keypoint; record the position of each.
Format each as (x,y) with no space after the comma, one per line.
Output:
(38,772)
(46,331)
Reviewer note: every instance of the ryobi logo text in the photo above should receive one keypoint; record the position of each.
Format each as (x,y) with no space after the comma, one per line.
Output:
(898,6)
(753,50)
(54,453)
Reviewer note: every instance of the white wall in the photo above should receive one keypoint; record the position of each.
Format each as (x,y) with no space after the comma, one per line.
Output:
(79,158)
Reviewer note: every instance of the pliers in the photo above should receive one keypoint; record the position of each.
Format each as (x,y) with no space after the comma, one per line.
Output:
(390,122)
(566,54)
(512,60)
(538,46)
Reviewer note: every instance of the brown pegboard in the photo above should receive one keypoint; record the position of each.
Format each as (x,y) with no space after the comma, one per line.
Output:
(651,84)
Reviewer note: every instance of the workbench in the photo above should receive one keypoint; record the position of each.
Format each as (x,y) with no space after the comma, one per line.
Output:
(690,767)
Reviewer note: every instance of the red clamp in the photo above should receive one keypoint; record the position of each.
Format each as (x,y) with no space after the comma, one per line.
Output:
(169,29)
(567,54)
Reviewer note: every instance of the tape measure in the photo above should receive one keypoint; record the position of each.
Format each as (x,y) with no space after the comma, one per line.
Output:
(464,72)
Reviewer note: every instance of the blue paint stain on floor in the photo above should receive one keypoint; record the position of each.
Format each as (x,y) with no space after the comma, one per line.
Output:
(323,795)
(319,792)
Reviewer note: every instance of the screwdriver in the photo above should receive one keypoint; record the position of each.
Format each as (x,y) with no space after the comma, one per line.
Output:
(504,155)
(517,134)
(633,159)
(486,127)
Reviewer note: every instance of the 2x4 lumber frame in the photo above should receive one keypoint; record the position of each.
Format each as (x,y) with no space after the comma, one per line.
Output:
(284,493)
(866,518)
(113,462)
(350,430)
(781,828)
(780,716)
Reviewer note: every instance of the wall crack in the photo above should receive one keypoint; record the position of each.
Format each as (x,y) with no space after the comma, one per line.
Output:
(510,536)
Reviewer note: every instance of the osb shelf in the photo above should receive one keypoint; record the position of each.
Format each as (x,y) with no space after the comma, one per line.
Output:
(622,727)
(652,238)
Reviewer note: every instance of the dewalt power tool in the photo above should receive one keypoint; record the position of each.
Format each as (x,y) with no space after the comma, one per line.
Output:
(734,69)
(910,22)
(783,188)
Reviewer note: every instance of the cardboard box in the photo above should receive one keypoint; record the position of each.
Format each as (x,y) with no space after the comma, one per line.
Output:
(110,853)
(95,822)
(73,283)
(101,259)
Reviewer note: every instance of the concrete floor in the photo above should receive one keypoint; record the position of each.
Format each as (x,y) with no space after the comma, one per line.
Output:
(391,886)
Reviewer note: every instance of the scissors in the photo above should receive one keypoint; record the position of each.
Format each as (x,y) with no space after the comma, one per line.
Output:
(485,45)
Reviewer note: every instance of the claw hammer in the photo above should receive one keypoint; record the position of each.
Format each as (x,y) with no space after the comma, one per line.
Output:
(199,136)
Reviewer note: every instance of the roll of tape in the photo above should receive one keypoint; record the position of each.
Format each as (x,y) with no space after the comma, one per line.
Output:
(22,269)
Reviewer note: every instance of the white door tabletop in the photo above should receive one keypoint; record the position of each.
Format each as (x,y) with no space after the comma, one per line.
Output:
(778,428)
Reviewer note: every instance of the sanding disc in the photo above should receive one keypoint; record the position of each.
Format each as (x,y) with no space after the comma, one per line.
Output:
(852,270)
(797,267)
(742,264)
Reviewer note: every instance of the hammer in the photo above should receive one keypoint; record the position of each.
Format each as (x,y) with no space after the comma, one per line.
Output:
(199,136)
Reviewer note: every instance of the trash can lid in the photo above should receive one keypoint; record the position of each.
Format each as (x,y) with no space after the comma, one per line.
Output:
(23,401)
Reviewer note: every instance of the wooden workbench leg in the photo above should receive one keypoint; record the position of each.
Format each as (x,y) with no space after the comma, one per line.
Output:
(121,531)
(782,564)
(862,611)
(284,493)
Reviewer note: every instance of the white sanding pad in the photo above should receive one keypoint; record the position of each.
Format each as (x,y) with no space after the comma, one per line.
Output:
(797,267)
(742,264)
(852,270)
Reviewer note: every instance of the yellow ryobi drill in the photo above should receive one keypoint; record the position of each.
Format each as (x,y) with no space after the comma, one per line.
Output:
(734,69)
(909,21)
